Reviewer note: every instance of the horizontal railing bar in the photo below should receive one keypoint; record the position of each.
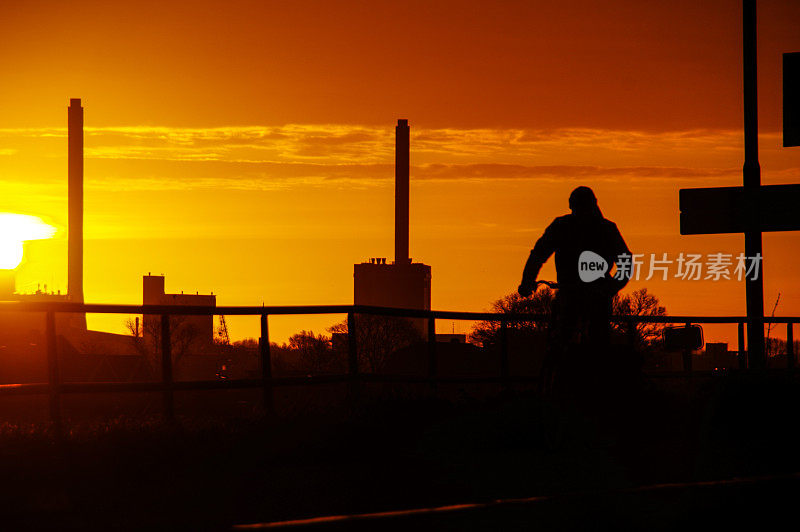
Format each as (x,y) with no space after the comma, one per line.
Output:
(27,388)
(145,387)
(188,310)
(14,306)
(466,379)
(111,387)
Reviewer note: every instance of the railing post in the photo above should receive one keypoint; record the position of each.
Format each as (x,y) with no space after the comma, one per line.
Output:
(352,358)
(504,352)
(266,366)
(166,368)
(432,365)
(631,334)
(742,354)
(687,353)
(53,375)
(790,361)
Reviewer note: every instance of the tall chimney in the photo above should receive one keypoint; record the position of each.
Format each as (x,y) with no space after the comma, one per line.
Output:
(401,164)
(75,218)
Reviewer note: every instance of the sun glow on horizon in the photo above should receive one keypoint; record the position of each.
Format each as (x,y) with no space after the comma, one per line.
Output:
(14,230)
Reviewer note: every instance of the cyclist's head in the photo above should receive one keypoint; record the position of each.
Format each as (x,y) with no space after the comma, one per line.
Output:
(582,201)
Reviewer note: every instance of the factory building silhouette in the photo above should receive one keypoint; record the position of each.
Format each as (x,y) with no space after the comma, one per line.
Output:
(82,350)
(74,293)
(201,328)
(97,355)
(401,283)
(75,209)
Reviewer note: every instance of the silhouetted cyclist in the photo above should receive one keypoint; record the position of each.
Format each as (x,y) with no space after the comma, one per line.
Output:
(579,302)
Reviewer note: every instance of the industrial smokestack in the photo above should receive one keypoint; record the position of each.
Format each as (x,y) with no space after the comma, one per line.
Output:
(401,175)
(75,218)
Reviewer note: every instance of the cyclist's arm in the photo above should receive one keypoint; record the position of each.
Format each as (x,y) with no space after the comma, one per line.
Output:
(544,247)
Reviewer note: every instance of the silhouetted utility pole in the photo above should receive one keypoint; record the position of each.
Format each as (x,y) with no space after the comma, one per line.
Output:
(750,209)
(754,285)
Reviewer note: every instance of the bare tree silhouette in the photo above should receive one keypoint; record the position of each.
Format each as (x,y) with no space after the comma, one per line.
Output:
(772,348)
(486,333)
(638,303)
(315,353)
(146,337)
(378,337)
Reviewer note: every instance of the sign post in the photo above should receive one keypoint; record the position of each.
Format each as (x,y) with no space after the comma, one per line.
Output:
(791,99)
(754,288)
(751,208)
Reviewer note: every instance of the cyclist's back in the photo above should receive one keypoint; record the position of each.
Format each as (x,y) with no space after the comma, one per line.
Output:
(570,235)
(579,303)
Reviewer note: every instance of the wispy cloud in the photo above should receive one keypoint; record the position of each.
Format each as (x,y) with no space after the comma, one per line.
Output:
(145,157)
(510,171)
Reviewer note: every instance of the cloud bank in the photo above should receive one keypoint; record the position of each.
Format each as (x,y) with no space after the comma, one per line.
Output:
(153,158)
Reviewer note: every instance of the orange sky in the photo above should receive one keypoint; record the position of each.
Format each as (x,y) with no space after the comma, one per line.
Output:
(247,147)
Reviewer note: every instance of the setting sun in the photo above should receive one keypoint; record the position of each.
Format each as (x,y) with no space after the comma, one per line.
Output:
(15,229)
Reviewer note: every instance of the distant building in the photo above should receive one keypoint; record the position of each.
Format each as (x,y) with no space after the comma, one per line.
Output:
(401,283)
(22,327)
(716,357)
(197,331)
(451,338)
(394,285)
(86,354)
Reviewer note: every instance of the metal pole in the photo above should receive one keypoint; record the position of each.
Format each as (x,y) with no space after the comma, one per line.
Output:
(52,370)
(166,368)
(790,361)
(352,357)
(432,351)
(742,354)
(754,288)
(631,334)
(266,366)
(687,353)
(504,352)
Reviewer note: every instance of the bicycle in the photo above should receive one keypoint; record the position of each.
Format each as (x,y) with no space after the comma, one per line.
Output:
(568,372)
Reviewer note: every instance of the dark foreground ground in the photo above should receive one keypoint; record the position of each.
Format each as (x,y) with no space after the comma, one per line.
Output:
(724,452)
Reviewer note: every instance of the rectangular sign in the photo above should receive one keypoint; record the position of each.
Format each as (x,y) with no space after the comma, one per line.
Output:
(791,99)
(736,209)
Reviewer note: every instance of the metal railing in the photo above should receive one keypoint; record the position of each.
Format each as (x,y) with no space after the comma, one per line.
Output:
(267,382)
